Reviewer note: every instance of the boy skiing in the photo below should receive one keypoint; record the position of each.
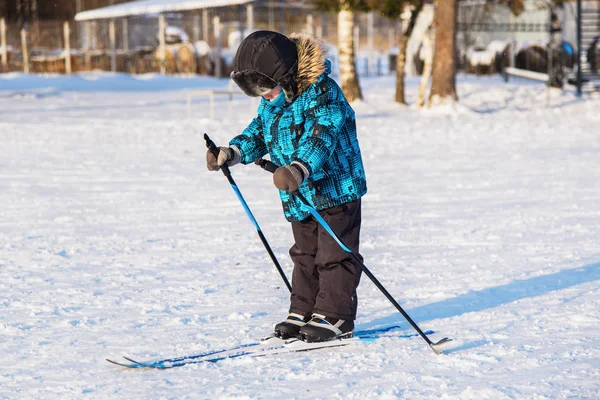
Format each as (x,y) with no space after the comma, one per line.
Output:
(308,128)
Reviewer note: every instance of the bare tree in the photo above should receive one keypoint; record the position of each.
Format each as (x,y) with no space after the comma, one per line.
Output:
(443,86)
(415,10)
(393,10)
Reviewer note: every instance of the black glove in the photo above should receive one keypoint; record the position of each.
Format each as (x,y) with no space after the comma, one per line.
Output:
(289,177)
(227,156)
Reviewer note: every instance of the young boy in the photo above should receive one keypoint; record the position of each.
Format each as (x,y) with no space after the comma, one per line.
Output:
(308,128)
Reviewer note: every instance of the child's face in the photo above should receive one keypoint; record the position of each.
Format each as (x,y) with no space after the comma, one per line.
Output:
(272,94)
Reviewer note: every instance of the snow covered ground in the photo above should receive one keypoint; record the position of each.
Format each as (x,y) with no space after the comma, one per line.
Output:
(482,221)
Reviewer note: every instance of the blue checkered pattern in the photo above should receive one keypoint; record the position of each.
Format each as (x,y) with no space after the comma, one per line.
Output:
(318,130)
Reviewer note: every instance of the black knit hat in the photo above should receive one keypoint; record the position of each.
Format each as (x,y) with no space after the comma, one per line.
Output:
(265,60)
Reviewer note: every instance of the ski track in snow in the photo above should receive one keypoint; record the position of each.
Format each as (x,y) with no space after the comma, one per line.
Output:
(481,220)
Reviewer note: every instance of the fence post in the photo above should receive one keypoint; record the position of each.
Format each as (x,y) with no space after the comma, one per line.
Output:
(217,32)
(162,26)
(196,30)
(310,24)
(205,29)
(271,16)
(113,45)
(250,17)
(3,42)
(67,32)
(88,41)
(25,53)
(126,34)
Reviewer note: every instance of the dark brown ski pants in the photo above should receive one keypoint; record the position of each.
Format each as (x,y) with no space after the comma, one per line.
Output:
(325,277)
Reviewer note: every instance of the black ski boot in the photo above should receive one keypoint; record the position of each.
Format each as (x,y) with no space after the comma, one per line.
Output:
(291,326)
(321,328)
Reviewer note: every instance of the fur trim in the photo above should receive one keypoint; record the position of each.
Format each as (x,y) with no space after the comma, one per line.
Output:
(311,59)
(253,83)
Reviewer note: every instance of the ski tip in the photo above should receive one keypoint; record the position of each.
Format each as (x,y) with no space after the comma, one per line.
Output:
(439,347)
(137,363)
(120,364)
(150,364)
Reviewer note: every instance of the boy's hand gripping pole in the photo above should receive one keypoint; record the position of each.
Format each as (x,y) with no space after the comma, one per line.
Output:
(213,149)
(437,347)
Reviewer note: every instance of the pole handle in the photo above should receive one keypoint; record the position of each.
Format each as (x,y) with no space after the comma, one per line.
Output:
(266,165)
(212,147)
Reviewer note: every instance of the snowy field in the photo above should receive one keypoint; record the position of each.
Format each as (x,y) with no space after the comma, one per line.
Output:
(483,222)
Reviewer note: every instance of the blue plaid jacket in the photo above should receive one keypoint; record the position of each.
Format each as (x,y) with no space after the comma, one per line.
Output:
(318,130)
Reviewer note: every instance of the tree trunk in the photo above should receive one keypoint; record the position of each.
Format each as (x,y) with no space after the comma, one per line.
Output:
(443,87)
(348,75)
(427,46)
(401,61)
(400,65)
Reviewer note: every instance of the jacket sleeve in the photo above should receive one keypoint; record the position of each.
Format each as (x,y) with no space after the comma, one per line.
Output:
(326,115)
(250,142)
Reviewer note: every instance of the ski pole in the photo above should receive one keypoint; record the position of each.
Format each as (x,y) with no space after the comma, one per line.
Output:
(213,149)
(437,347)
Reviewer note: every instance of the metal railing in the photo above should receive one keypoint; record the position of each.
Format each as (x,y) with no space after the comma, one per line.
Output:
(211,94)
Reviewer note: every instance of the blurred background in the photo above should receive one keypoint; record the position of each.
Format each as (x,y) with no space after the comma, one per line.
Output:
(557,40)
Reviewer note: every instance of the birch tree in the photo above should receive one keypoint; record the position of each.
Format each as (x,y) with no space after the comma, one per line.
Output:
(427,45)
(391,9)
(348,74)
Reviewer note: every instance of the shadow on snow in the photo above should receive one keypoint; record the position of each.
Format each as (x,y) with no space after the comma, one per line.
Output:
(492,297)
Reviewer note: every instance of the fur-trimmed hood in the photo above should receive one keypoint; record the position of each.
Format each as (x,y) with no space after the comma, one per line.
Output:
(316,131)
(311,60)
(268,59)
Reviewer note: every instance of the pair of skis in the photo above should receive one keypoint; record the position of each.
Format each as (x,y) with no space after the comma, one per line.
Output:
(266,347)
(274,345)
(269,166)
